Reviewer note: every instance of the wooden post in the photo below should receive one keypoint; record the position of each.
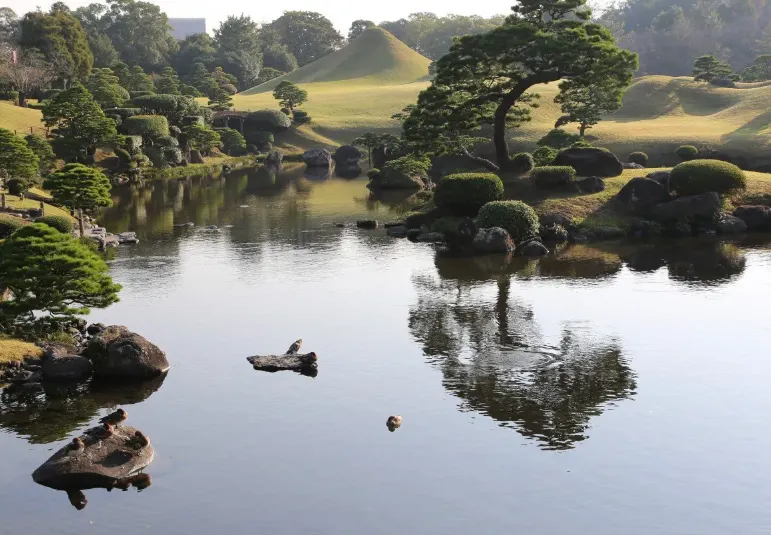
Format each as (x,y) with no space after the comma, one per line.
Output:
(42,208)
(2,200)
(80,221)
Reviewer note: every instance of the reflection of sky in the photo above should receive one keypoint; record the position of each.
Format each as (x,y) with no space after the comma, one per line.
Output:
(240,450)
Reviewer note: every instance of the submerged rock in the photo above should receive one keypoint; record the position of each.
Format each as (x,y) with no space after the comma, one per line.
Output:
(99,464)
(368,224)
(430,237)
(531,248)
(118,353)
(397,232)
(492,240)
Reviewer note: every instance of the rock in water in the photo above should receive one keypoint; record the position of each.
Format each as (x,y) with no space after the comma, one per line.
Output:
(493,240)
(397,232)
(532,248)
(367,224)
(590,161)
(102,462)
(118,353)
(317,158)
(728,224)
(756,217)
(392,179)
(704,205)
(66,368)
(275,157)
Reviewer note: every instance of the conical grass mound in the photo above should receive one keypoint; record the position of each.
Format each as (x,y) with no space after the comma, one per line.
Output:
(374,58)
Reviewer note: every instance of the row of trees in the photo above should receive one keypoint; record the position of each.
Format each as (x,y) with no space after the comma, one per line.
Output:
(669,35)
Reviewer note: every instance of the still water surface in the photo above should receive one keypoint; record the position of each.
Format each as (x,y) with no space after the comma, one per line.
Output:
(604,390)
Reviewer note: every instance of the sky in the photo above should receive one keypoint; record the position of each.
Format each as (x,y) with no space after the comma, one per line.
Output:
(340,12)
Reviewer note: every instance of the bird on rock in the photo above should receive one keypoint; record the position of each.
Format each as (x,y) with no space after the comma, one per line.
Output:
(76,445)
(140,440)
(294,348)
(115,418)
(102,432)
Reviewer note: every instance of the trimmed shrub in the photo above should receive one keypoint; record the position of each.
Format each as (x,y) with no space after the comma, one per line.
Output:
(519,219)
(260,137)
(233,142)
(640,158)
(464,194)
(36,105)
(51,93)
(173,107)
(133,144)
(286,111)
(9,224)
(686,152)
(701,176)
(193,119)
(581,144)
(124,113)
(62,224)
(268,120)
(553,176)
(17,186)
(558,139)
(544,156)
(301,117)
(446,224)
(123,157)
(13,96)
(117,118)
(373,173)
(155,126)
(166,141)
(137,94)
(175,131)
(410,165)
(172,155)
(523,162)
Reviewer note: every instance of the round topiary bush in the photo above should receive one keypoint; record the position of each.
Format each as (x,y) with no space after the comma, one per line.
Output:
(373,173)
(701,176)
(62,224)
(687,152)
(523,162)
(268,120)
(17,186)
(640,158)
(519,219)
(464,194)
(233,142)
(9,224)
(555,176)
(581,144)
(156,126)
(544,156)
(123,156)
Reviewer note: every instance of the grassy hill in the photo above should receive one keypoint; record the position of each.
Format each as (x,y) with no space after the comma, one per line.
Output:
(20,119)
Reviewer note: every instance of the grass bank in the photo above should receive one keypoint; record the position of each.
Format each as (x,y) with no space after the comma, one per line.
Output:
(597,210)
(12,350)
(212,166)
(12,201)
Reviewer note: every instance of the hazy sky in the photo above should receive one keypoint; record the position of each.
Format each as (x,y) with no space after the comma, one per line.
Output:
(340,12)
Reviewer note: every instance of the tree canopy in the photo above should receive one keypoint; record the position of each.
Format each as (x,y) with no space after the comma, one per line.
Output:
(17,160)
(80,187)
(358,27)
(105,87)
(485,78)
(53,278)
(308,35)
(239,48)
(586,104)
(168,82)
(759,71)
(289,95)
(194,49)
(707,68)
(78,123)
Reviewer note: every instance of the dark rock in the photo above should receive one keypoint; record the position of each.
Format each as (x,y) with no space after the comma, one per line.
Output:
(630,165)
(493,240)
(420,219)
(340,225)
(592,184)
(640,195)
(397,232)
(52,351)
(317,158)
(367,224)
(393,224)
(556,218)
(100,464)
(347,156)
(119,353)
(757,218)
(413,233)
(678,229)
(531,247)
(430,237)
(393,179)
(95,328)
(553,233)
(608,233)
(195,156)
(643,229)
(67,368)
(227,169)
(26,376)
(590,161)
(728,224)
(274,157)
(704,205)
(350,171)
(379,157)
(662,177)
(461,239)
(318,173)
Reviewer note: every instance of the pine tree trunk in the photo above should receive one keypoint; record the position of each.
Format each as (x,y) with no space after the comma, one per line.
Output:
(581,130)
(80,223)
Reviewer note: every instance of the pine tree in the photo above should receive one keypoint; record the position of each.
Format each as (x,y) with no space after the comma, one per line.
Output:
(139,81)
(17,160)
(203,80)
(586,105)
(708,68)
(220,100)
(43,150)
(52,273)
(289,95)
(168,84)
(80,188)
(105,87)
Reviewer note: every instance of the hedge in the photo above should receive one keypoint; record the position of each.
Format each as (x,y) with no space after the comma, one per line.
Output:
(146,125)
(639,158)
(544,156)
(268,120)
(553,176)
(519,219)
(9,224)
(133,144)
(686,152)
(62,224)
(463,194)
(701,176)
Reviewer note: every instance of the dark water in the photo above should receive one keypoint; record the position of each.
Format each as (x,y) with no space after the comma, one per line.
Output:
(605,390)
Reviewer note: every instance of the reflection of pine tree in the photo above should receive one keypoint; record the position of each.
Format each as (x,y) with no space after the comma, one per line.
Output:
(491,357)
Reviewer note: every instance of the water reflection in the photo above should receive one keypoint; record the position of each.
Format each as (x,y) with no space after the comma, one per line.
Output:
(491,355)
(46,413)
(79,501)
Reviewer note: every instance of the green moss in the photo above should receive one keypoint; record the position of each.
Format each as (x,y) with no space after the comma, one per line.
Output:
(464,194)
(700,176)
(519,219)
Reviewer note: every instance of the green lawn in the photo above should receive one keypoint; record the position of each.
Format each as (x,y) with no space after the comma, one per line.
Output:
(15,350)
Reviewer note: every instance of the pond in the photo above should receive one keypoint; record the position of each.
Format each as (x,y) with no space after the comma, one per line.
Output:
(604,389)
